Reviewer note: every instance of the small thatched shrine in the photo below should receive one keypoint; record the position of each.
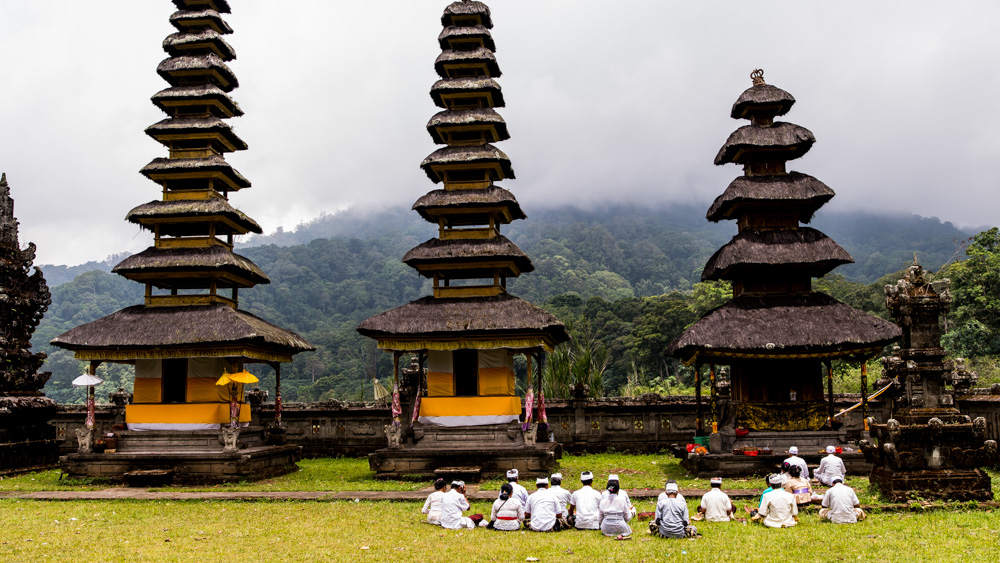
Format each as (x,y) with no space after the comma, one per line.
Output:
(928,448)
(26,438)
(189,341)
(462,390)
(777,335)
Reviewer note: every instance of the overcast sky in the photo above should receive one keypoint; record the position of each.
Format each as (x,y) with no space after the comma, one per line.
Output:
(607,101)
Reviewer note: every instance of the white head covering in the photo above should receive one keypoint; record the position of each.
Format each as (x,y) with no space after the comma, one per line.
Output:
(557,476)
(457,483)
(512,474)
(774,480)
(586,476)
(716,480)
(613,477)
(831,450)
(542,481)
(671,488)
(794,450)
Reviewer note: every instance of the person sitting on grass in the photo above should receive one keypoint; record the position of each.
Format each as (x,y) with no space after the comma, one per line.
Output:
(562,498)
(542,511)
(453,504)
(583,505)
(715,504)
(767,481)
(830,467)
(786,473)
(798,486)
(672,519)
(520,493)
(841,505)
(507,513)
(794,459)
(432,506)
(777,507)
(615,511)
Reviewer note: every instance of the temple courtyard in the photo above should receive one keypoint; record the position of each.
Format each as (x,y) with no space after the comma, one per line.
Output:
(334,510)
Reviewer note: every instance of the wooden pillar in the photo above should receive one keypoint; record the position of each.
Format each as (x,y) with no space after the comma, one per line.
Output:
(277,393)
(699,430)
(715,411)
(829,391)
(864,392)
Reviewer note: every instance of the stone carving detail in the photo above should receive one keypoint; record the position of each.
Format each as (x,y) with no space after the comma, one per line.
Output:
(393,435)
(230,439)
(84,440)
(618,424)
(531,434)
(364,429)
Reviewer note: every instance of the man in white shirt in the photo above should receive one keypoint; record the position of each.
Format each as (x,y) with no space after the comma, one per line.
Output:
(830,467)
(778,508)
(584,504)
(840,504)
(453,503)
(520,493)
(794,459)
(715,504)
(542,508)
(562,498)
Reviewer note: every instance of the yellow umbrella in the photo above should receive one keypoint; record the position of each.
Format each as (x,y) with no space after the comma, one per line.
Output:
(240,377)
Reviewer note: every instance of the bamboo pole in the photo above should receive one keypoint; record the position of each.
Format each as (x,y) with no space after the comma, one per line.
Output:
(697,398)
(829,390)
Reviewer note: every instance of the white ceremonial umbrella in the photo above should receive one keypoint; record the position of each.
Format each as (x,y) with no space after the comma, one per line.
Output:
(89,381)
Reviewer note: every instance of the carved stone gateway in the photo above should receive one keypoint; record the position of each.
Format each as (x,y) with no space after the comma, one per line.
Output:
(928,448)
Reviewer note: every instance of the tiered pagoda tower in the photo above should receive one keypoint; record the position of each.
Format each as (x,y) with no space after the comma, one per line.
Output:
(26,438)
(776,333)
(469,330)
(190,329)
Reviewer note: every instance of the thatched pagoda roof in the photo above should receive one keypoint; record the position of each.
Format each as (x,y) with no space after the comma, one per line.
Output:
(221,6)
(180,43)
(472,31)
(782,326)
(195,126)
(795,191)
(481,55)
(762,97)
(473,200)
(185,20)
(214,163)
(806,249)
(458,317)
(178,70)
(466,155)
(486,117)
(466,85)
(202,92)
(467,8)
(154,212)
(169,260)
(781,141)
(148,330)
(468,251)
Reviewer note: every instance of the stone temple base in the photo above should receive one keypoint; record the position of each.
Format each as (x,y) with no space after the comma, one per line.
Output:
(942,484)
(186,457)
(17,457)
(471,453)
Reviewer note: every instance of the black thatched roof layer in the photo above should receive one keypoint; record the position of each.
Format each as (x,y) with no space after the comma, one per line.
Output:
(478,56)
(470,117)
(194,126)
(493,196)
(186,20)
(157,260)
(141,327)
(221,6)
(474,31)
(472,8)
(147,215)
(181,43)
(466,155)
(781,141)
(214,69)
(775,100)
(448,86)
(779,325)
(214,163)
(206,93)
(799,192)
(808,249)
(471,251)
(464,317)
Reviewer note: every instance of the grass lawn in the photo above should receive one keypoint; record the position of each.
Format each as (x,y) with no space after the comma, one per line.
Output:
(382,531)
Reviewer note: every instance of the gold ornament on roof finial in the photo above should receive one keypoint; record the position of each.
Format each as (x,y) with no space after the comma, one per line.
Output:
(757,76)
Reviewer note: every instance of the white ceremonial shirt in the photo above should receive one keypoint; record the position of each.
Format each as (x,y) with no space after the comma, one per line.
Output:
(586,502)
(796,460)
(717,505)
(829,467)
(544,508)
(779,507)
(562,497)
(520,493)
(432,507)
(840,499)
(453,503)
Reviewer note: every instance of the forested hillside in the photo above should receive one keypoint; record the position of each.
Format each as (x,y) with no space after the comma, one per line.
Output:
(624,277)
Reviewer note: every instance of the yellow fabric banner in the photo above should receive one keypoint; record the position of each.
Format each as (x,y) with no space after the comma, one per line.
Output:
(496,381)
(469,406)
(440,384)
(782,416)
(147,390)
(184,413)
